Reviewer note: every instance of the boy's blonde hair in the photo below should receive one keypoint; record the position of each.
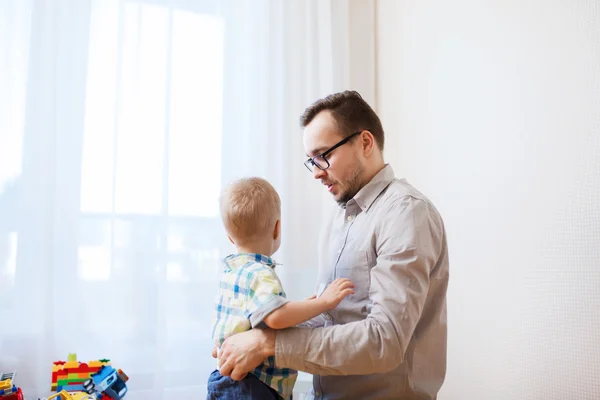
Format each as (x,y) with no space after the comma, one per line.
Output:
(250,207)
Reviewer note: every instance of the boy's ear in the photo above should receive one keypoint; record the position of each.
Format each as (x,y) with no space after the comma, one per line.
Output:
(231,240)
(277,230)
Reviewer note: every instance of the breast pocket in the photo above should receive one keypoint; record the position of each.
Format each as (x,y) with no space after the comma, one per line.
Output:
(354,265)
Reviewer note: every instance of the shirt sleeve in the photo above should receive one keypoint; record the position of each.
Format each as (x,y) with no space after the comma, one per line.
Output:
(410,241)
(265,295)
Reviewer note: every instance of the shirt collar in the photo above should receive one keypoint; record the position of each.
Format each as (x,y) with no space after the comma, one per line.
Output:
(238,260)
(367,195)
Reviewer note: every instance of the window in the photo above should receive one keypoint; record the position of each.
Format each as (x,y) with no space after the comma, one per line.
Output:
(150,231)
(13,78)
(110,239)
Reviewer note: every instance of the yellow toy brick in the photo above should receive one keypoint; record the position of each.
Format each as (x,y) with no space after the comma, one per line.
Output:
(95,363)
(64,395)
(6,380)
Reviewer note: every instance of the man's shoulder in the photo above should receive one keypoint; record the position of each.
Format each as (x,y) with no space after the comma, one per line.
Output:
(400,190)
(401,195)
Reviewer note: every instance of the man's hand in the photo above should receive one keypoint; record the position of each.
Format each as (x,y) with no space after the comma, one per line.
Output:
(335,292)
(243,352)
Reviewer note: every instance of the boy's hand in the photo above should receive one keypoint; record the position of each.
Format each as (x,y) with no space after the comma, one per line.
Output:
(335,292)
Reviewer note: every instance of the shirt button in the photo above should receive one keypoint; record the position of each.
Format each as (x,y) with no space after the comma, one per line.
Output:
(350,217)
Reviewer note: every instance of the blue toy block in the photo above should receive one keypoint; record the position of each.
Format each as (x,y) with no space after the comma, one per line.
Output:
(108,381)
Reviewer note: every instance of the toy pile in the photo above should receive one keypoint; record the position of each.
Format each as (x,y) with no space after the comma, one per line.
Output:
(94,380)
(73,380)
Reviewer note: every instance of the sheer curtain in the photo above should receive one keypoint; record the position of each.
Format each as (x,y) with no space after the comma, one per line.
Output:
(120,121)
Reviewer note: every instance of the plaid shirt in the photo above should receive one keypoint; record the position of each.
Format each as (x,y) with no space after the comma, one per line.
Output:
(249,290)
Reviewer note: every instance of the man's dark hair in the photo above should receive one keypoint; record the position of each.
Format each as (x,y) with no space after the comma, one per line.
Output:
(350,112)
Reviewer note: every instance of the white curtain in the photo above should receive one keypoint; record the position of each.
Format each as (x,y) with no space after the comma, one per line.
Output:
(120,121)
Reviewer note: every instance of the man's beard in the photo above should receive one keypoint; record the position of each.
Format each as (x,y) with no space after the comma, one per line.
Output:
(353,185)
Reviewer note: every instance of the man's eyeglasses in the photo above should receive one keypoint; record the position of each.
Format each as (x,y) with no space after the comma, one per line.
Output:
(320,160)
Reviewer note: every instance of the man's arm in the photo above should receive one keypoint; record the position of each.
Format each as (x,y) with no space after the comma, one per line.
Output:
(296,312)
(411,243)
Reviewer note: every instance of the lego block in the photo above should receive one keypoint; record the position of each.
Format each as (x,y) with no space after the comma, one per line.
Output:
(87,370)
(95,364)
(68,381)
(70,388)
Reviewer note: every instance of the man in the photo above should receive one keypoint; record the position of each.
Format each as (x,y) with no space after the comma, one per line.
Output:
(388,339)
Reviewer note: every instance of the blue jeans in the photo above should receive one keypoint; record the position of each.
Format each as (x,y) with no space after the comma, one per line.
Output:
(249,388)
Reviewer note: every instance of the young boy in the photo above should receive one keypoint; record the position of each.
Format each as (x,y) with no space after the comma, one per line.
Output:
(250,293)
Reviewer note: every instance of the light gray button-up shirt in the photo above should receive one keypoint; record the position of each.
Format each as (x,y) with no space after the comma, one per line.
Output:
(388,340)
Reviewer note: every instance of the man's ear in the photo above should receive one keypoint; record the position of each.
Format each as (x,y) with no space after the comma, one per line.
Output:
(277,230)
(368,142)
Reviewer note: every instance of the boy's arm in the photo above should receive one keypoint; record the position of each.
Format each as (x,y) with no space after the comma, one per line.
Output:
(295,312)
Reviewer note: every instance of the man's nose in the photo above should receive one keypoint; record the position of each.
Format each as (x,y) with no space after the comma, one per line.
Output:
(318,173)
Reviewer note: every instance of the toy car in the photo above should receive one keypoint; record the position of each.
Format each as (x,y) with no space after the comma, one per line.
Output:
(8,390)
(108,381)
(17,394)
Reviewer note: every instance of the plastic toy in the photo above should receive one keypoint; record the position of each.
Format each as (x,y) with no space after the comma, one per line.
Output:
(16,395)
(97,379)
(64,395)
(109,382)
(8,390)
(6,380)
(71,375)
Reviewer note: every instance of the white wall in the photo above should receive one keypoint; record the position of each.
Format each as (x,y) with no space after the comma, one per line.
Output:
(492,108)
